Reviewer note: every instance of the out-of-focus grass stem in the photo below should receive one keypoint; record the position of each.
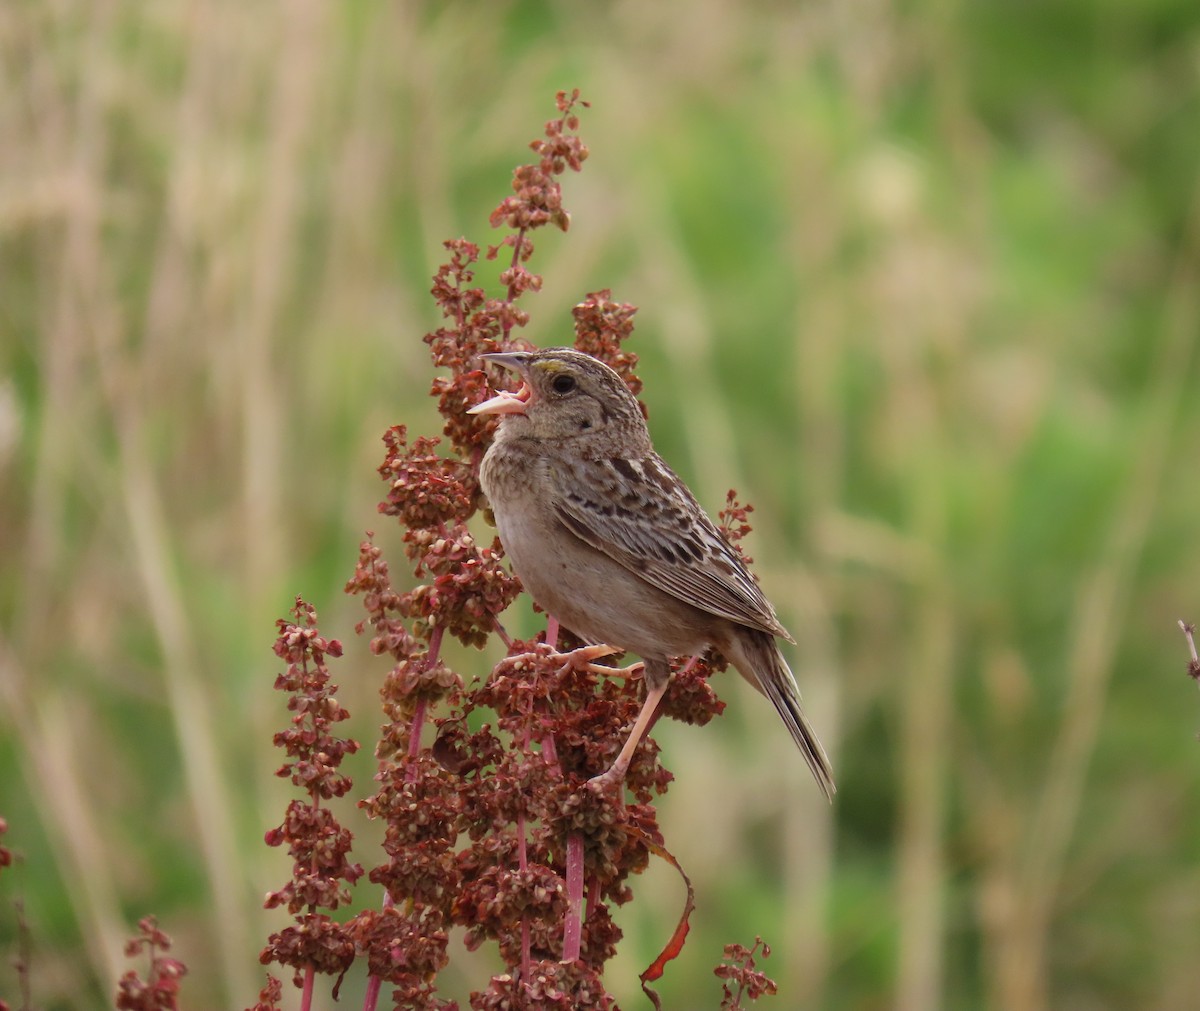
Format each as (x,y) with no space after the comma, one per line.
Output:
(1103,598)
(299,67)
(47,734)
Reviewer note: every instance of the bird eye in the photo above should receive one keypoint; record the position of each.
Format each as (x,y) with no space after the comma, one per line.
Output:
(563,383)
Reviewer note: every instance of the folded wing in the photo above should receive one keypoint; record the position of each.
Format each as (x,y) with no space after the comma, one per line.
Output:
(641,515)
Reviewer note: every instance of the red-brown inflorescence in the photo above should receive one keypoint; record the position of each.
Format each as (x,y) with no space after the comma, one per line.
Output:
(480,820)
(742,980)
(601,327)
(734,521)
(319,846)
(545,986)
(159,991)
(490,824)
(269,996)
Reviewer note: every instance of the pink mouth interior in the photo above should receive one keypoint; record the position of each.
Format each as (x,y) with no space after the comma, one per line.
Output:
(505,402)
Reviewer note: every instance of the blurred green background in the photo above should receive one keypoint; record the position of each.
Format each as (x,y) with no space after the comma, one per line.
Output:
(920,280)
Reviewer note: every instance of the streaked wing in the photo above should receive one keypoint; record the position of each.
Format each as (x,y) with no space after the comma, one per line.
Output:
(640,514)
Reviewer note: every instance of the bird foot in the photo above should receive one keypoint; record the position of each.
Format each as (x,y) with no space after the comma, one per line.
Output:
(632,670)
(581,660)
(612,777)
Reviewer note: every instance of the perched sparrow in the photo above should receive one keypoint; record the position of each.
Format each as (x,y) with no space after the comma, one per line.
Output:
(608,540)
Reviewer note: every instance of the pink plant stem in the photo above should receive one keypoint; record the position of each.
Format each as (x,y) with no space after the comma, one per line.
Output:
(549,751)
(307,994)
(414,734)
(512,288)
(504,636)
(418,719)
(523,864)
(573,928)
(435,646)
(522,853)
(309,971)
(371,996)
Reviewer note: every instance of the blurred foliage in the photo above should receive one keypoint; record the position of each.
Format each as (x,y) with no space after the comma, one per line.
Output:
(919,279)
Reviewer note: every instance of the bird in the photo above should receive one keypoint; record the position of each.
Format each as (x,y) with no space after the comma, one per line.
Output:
(608,540)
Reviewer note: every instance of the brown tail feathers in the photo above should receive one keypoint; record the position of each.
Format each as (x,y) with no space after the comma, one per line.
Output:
(757,658)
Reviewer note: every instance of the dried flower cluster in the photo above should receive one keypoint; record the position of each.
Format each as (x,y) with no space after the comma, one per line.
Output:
(742,980)
(321,871)
(159,991)
(490,824)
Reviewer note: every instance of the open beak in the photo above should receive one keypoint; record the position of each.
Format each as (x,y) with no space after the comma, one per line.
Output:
(507,403)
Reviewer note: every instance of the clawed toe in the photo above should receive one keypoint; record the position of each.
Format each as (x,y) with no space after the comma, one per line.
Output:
(616,672)
(584,655)
(606,780)
(581,659)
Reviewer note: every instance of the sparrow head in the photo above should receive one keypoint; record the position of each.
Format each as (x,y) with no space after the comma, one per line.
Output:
(566,394)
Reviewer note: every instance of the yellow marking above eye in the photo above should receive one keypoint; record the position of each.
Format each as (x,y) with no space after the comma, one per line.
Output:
(550,367)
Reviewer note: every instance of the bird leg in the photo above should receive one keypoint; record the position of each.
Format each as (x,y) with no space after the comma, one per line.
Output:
(616,772)
(656,688)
